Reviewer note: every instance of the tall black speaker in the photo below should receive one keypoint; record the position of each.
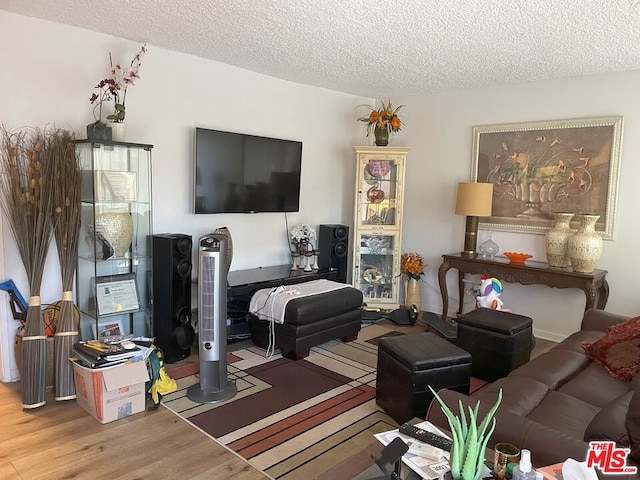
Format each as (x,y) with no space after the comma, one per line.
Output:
(333,243)
(172,266)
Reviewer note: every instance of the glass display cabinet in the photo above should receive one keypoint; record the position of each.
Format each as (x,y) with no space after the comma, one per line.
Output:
(378,224)
(113,280)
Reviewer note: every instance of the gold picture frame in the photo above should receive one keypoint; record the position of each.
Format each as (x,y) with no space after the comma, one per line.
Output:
(117,294)
(538,168)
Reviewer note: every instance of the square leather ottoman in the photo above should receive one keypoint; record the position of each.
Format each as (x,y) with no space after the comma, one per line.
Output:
(312,320)
(497,341)
(408,364)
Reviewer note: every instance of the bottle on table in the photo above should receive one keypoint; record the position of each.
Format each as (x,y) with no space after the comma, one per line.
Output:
(524,470)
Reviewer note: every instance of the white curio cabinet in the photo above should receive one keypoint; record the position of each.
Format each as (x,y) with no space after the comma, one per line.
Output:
(114,254)
(378,224)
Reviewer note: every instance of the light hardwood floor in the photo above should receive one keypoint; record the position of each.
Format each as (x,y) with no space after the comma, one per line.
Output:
(61,441)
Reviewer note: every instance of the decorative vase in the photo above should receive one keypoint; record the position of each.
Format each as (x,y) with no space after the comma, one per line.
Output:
(307,262)
(117,229)
(224,231)
(382,137)
(413,296)
(302,247)
(556,240)
(118,131)
(295,257)
(489,249)
(585,246)
(95,132)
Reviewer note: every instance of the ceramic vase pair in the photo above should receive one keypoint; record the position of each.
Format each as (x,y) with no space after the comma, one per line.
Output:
(580,249)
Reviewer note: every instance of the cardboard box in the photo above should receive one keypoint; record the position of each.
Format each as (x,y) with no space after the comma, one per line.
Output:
(113,392)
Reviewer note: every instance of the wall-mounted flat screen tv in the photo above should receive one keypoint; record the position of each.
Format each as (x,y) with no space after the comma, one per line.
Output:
(239,173)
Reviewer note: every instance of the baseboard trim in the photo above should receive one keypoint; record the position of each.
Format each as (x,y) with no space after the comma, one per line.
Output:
(547,335)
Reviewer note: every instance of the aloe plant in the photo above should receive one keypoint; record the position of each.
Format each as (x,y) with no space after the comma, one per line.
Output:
(469,440)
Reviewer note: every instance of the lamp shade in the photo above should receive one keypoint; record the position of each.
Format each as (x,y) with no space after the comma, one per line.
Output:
(474,199)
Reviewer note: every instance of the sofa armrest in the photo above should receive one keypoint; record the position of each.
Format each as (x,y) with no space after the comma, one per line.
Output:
(600,320)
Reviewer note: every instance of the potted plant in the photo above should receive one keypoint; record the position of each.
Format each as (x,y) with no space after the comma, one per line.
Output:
(114,87)
(469,440)
(98,130)
(382,121)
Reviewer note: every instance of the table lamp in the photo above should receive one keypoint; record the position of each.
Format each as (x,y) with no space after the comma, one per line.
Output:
(473,200)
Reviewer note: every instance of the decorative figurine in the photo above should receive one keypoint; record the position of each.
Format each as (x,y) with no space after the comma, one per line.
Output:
(490,290)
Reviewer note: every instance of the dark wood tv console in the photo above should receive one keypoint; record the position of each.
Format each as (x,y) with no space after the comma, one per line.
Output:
(247,282)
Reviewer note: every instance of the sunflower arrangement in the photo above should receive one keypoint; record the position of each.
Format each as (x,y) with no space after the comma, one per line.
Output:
(412,265)
(384,118)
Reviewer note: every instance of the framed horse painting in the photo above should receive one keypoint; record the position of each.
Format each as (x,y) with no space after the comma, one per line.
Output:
(540,168)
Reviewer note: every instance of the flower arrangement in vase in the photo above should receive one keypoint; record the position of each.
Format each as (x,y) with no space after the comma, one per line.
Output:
(382,121)
(114,87)
(412,265)
(302,239)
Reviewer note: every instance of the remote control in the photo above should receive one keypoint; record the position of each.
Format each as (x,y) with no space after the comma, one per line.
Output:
(425,436)
(416,447)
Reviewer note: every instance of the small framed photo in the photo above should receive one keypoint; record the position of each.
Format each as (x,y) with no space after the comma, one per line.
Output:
(108,329)
(117,294)
(112,186)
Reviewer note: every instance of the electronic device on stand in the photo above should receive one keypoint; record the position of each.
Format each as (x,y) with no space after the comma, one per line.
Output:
(391,455)
(212,323)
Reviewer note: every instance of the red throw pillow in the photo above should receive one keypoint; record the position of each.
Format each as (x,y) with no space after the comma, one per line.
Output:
(619,350)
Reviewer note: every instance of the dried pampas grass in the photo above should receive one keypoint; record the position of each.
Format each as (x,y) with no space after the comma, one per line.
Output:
(66,220)
(27,201)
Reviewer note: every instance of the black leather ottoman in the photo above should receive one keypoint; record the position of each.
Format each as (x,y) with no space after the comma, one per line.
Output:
(312,320)
(408,364)
(498,341)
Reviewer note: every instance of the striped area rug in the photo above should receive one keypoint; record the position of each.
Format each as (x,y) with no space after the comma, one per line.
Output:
(295,419)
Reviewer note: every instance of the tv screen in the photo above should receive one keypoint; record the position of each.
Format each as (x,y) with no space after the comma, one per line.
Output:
(238,173)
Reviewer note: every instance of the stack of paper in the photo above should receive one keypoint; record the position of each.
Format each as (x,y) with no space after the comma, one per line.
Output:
(95,354)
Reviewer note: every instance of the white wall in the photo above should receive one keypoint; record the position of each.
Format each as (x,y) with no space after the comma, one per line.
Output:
(439,130)
(48,75)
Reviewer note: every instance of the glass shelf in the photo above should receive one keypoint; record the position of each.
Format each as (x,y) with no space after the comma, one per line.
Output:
(114,256)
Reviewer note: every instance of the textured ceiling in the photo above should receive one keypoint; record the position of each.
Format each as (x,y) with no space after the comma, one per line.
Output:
(373,48)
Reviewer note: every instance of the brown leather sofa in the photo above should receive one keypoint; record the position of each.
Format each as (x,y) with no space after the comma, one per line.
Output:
(556,403)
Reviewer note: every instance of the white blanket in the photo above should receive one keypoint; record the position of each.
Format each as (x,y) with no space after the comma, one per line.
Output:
(270,303)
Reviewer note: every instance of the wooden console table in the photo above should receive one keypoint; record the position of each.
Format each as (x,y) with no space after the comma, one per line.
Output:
(594,285)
